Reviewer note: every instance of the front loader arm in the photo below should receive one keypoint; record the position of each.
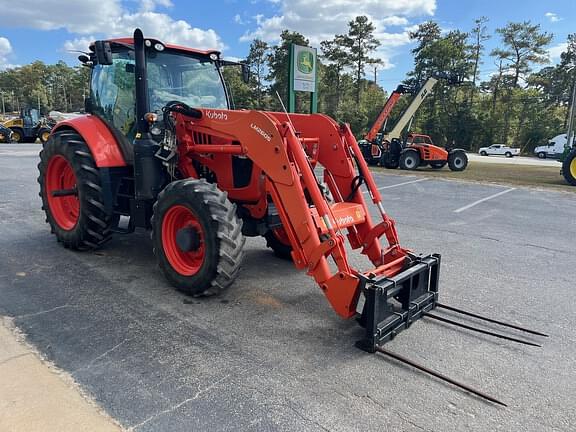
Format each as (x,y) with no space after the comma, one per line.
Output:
(280,145)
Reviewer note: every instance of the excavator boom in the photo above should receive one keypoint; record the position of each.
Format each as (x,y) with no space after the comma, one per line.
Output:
(378,125)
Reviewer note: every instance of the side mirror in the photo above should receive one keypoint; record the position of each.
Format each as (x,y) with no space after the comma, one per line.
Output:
(103,53)
(88,105)
(245,73)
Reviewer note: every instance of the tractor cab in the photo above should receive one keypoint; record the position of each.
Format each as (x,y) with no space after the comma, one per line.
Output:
(412,139)
(173,74)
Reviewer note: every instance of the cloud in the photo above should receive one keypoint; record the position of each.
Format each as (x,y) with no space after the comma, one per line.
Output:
(552,17)
(150,5)
(78,44)
(108,18)
(83,17)
(394,21)
(238,20)
(320,20)
(165,28)
(5,51)
(555,51)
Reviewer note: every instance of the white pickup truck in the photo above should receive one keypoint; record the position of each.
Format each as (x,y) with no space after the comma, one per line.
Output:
(499,149)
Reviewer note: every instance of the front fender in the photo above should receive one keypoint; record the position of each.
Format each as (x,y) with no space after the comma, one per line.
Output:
(100,140)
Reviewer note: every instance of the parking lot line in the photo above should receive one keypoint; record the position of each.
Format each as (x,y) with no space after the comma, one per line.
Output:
(402,184)
(475,203)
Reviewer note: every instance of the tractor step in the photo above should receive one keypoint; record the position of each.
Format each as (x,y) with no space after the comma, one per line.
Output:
(392,304)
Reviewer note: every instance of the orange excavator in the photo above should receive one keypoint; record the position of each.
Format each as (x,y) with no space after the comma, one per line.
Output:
(417,150)
(371,145)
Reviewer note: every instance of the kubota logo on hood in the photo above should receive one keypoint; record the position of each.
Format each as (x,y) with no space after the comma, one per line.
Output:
(213,115)
(264,134)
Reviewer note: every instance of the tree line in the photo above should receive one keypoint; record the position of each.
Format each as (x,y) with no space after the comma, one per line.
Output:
(512,95)
(46,87)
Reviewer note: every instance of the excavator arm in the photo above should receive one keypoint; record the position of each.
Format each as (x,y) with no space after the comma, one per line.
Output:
(380,121)
(424,91)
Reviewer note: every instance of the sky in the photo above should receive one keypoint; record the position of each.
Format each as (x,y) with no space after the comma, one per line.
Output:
(47,30)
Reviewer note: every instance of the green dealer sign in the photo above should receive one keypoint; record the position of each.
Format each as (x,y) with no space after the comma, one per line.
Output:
(302,75)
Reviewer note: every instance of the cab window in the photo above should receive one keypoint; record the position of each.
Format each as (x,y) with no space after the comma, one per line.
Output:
(113,92)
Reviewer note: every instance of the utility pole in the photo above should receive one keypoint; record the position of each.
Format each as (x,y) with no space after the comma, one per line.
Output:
(3,106)
(570,140)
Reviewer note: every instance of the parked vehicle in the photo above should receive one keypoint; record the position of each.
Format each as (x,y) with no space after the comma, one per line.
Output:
(29,125)
(554,149)
(387,149)
(419,150)
(5,134)
(499,150)
(569,166)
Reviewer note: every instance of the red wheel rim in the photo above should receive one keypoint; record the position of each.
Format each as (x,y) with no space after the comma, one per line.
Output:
(175,219)
(282,236)
(60,176)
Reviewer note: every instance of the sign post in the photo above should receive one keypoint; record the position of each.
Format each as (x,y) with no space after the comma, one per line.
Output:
(303,76)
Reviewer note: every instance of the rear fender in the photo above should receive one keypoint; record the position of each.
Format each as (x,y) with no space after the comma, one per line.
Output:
(100,140)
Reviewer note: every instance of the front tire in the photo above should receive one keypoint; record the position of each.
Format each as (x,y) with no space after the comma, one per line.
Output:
(71,192)
(17,135)
(483,153)
(542,155)
(44,135)
(457,160)
(409,160)
(197,237)
(278,241)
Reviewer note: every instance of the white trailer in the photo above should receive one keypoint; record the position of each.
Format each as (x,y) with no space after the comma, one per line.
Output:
(555,147)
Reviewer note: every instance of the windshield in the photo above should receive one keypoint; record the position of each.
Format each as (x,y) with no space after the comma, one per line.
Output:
(195,81)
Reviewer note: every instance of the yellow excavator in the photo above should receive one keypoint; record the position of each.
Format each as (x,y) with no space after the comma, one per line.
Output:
(28,126)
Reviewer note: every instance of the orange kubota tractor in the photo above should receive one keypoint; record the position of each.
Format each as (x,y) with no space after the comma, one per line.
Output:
(161,146)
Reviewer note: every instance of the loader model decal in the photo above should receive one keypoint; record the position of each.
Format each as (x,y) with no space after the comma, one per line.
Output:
(264,134)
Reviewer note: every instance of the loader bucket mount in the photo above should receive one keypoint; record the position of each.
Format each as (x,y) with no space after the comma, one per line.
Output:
(392,304)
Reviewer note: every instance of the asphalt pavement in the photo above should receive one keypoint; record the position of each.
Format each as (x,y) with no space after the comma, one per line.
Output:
(271,355)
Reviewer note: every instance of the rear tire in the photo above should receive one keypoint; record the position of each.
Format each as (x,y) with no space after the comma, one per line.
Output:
(197,237)
(508,154)
(79,221)
(569,167)
(542,155)
(483,153)
(391,164)
(409,160)
(457,160)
